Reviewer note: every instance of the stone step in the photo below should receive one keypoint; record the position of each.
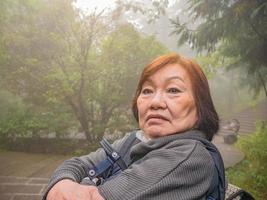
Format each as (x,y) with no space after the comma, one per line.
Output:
(20,188)
(20,197)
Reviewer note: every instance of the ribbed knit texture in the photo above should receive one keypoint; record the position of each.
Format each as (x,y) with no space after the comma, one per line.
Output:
(166,168)
(77,168)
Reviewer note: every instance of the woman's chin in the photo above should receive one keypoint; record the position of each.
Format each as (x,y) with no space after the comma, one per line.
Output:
(155,132)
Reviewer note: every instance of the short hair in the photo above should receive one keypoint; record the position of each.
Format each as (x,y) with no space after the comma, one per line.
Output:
(208,120)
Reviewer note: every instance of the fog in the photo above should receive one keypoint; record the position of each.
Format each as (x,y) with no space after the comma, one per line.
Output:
(60,62)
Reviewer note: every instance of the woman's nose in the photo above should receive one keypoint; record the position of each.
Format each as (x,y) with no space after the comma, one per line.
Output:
(158,101)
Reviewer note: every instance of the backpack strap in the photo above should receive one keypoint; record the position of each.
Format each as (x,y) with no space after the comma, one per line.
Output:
(114,162)
(119,157)
(218,183)
(112,154)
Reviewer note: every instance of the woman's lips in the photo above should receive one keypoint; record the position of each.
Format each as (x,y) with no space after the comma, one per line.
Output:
(156,119)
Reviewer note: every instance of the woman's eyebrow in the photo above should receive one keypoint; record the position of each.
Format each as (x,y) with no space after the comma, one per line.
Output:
(175,77)
(148,80)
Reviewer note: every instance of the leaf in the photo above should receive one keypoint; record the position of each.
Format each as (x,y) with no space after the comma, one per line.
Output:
(258,9)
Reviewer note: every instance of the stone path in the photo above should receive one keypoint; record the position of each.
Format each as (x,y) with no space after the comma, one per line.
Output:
(247,119)
(23,176)
(231,155)
(20,188)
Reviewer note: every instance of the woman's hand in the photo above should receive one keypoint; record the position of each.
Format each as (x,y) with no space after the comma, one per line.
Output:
(69,190)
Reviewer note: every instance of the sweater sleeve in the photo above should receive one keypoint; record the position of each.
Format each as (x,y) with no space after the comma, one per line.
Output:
(181,172)
(76,168)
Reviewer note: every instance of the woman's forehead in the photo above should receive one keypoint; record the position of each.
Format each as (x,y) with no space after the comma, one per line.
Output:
(170,72)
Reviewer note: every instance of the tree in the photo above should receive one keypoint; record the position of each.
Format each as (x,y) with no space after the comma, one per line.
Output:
(49,52)
(235,29)
(123,55)
(60,57)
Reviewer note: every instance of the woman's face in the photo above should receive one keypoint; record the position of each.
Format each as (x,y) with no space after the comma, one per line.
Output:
(166,104)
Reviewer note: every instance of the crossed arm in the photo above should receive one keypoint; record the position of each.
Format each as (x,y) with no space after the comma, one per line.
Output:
(69,190)
(65,182)
(179,172)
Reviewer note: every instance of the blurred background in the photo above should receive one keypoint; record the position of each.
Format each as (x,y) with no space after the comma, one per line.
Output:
(69,69)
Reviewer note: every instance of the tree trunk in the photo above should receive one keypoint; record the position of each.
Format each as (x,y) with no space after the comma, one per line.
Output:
(263,84)
(85,127)
(81,115)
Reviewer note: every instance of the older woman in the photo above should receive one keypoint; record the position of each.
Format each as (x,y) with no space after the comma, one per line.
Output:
(172,105)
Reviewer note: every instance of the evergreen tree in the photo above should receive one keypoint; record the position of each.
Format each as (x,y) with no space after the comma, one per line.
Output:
(237,29)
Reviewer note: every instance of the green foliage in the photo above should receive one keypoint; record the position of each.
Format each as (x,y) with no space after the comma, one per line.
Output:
(251,173)
(124,53)
(151,10)
(70,69)
(19,119)
(12,112)
(210,63)
(15,120)
(236,29)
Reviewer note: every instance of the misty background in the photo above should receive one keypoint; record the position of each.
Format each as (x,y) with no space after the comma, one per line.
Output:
(69,70)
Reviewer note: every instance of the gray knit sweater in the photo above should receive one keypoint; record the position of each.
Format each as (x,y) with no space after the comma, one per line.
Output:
(166,168)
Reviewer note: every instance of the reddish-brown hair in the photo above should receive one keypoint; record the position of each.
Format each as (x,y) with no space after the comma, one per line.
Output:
(208,120)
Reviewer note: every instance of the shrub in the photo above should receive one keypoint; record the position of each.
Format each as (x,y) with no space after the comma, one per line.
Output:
(251,173)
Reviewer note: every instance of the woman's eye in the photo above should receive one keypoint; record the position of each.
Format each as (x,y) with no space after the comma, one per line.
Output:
(146,91)
(174,90)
